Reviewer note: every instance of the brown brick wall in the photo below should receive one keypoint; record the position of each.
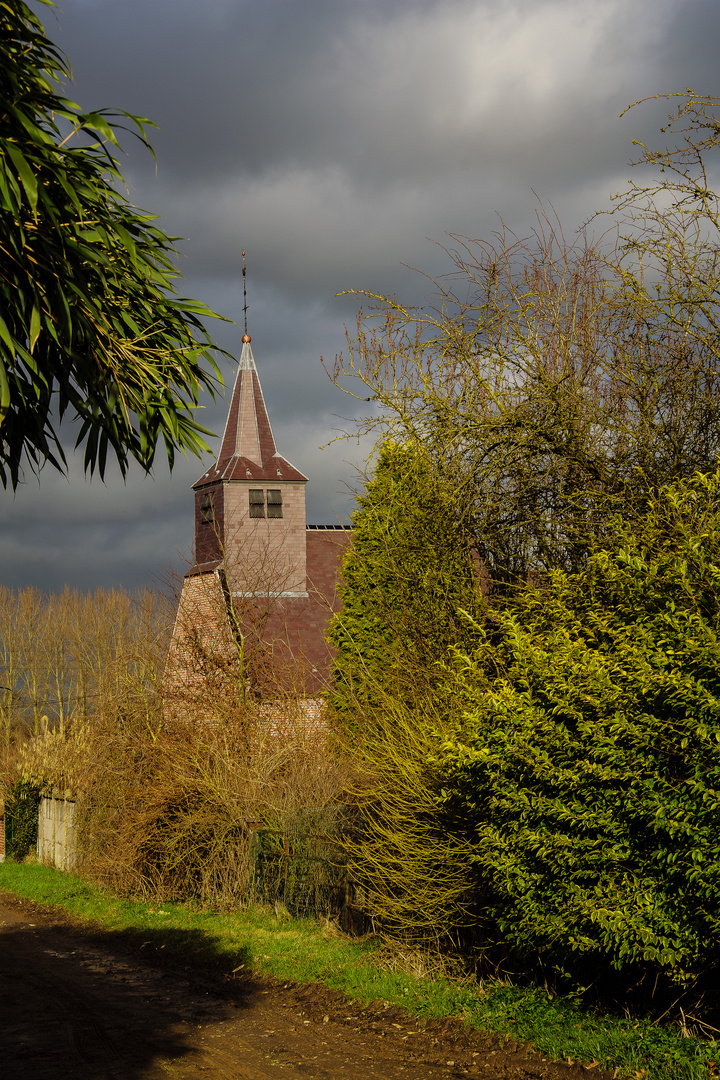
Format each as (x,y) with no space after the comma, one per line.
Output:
(283,637)
(208,538)
(202,659)
(295,629)
(325,550)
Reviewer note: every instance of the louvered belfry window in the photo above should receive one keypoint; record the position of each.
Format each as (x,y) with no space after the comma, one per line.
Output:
(207,509)
(274,503)
(257,503)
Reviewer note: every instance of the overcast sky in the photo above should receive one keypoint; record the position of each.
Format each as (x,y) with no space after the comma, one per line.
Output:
(336,142)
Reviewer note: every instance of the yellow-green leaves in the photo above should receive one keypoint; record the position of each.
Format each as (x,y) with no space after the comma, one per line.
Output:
(586,767)
(34,326)
(25,172)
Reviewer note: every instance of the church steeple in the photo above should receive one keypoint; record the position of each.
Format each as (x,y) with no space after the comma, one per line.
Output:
(248,427)
(248,450)
(250,503)
(262,578)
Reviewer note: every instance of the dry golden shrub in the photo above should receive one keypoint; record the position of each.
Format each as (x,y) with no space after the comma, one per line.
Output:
(167,799)
(172,818)
(71,658)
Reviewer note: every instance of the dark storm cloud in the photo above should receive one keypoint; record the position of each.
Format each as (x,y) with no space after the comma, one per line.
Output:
(331,139)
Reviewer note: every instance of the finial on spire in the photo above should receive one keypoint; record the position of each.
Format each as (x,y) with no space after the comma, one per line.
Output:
(246,336)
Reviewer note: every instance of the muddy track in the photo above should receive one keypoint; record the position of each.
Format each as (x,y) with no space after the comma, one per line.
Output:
(80,1003)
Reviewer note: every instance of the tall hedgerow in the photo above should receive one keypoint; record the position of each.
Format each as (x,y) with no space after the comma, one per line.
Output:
(407,576)
(584,772)
(557,789)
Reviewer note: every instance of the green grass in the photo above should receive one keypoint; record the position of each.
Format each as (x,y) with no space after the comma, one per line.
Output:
(303,951)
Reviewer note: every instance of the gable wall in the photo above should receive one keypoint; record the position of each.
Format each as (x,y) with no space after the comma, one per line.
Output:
(285,636)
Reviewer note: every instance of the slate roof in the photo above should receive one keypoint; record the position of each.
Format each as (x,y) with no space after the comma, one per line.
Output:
(248,450)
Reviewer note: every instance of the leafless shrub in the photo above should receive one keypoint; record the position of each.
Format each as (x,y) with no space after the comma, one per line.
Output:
(169,791)
(71,658)
(173,817)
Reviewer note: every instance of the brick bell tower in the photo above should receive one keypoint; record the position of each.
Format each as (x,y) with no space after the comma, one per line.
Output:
(250,504)
(256,603)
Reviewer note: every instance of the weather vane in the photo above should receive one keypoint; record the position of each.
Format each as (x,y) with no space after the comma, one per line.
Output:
(245,304)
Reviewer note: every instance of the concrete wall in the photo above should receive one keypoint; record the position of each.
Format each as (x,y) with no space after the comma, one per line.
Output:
(56,832)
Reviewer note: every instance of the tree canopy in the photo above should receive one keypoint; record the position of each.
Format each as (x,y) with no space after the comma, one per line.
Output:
(91,327)
(554,381)
(541,764)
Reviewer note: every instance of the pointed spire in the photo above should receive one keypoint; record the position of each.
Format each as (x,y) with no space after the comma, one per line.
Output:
(247,433)
(248,450)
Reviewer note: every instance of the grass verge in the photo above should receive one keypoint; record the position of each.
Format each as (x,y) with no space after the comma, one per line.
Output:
(305,951)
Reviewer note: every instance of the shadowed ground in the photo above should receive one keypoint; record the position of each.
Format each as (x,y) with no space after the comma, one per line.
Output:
(78,1003)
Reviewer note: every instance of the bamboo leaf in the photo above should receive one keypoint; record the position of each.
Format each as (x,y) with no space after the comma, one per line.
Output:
(27,177)
(34,326)
(5,396)
(7,337)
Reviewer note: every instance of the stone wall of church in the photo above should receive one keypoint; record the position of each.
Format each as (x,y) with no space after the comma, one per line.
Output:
(295,629)
(284,643)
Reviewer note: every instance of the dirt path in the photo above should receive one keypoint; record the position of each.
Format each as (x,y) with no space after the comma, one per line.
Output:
(78,1003)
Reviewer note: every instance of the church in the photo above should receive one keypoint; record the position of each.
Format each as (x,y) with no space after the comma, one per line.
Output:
(257,601)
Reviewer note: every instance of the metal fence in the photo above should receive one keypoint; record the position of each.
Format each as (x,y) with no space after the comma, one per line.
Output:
(304,867)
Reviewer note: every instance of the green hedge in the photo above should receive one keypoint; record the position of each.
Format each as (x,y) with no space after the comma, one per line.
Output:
(584,773)
(21,819)
(407,575)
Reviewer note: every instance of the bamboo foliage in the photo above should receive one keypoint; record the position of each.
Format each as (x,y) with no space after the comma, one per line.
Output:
(91,325)
(584,770)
